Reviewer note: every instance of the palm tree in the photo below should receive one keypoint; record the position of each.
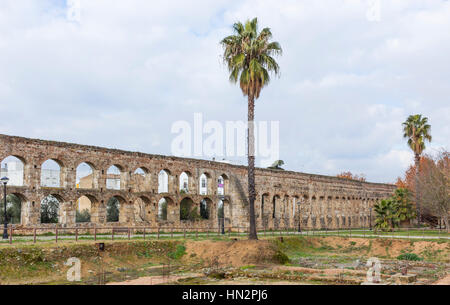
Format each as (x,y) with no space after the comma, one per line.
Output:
(249,57)
(386,215)
(417,130)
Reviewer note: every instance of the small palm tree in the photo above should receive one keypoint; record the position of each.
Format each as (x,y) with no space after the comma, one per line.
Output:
(386,215)
(417,130)
(249,57)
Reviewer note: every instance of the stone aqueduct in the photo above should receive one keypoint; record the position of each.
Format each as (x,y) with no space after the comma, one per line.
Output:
(325,201)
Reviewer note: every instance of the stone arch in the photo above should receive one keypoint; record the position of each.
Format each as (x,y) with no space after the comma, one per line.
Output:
(15,203)
(50,208)
(204,184)
(188,210)
(141,209)
(163,181)
(85,176)
(114,177)
(140,180)
(52,173)
(294,210)
(220,209)
(163,208)
(115,208)
(265,205)
(275,206)
(222,185)
(205,208)
(13,167)
(185,182)
(86,206)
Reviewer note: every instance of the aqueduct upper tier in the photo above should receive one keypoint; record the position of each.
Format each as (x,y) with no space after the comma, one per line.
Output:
(142,181)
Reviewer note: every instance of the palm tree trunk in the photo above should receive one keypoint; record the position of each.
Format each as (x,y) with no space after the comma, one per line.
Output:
(419,211)
(251,167)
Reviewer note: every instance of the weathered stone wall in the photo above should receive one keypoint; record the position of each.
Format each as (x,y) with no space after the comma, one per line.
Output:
(283,198)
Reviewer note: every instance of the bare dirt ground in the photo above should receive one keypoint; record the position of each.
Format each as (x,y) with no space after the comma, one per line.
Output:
(276,260)
(335,260)
(155,280)
(444,281)
(230,253)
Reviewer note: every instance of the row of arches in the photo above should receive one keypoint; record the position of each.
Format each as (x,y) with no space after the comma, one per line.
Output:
(314,211)
(86,210)
(87,178)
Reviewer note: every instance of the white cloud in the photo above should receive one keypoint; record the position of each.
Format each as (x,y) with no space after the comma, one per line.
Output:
(128,69)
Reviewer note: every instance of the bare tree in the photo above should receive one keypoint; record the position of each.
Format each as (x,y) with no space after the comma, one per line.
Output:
(434,181)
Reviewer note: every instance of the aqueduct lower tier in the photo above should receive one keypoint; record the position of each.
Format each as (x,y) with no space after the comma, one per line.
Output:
(283,197)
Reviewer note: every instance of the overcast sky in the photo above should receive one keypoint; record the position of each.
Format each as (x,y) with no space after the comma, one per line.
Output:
(126,70)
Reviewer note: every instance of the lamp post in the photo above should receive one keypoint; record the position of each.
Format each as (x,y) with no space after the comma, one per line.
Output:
(5,180)
(370,219)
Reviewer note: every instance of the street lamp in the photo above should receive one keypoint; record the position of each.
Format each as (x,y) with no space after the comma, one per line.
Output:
(5,180)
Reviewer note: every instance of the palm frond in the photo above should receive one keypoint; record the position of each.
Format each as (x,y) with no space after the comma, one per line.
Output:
(249,56)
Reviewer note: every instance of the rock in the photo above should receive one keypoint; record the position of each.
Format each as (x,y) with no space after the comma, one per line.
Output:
(401,279)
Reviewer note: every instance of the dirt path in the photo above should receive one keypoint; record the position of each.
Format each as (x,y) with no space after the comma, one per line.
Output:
(155,280)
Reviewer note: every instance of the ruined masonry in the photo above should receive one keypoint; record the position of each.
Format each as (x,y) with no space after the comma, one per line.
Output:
(284,198)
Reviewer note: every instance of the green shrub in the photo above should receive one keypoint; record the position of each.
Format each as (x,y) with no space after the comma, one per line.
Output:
(178,253)
(409,257)
(280,257)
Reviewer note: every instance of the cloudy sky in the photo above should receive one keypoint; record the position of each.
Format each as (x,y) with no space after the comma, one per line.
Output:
(123,72)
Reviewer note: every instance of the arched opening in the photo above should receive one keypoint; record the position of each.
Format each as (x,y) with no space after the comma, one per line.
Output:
(50,209)
(220,210)
(141,172)
(113,178)
(205,207)
(83,211)
(188,210)
(51,174)
(13,209)
(221,186)
(275,206)
(113,209)
(13,168)
(264,199)
(203,184)
(85,176)
(140,209)
(285,211)
(140,180)
(162,209)
(295,205)
(163,181)
(184,183)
